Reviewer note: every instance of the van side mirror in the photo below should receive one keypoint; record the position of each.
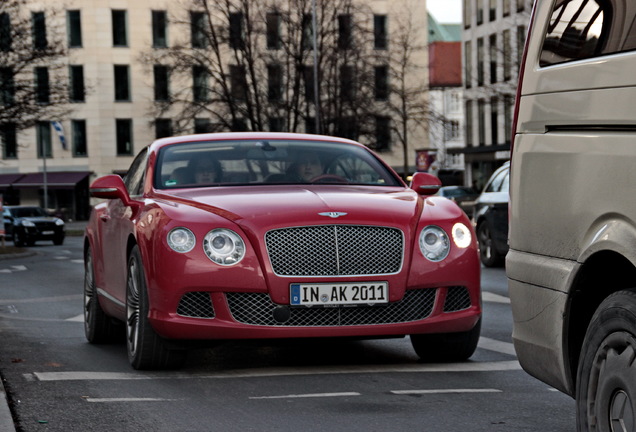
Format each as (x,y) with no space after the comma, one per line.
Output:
(425,184)
(110,187)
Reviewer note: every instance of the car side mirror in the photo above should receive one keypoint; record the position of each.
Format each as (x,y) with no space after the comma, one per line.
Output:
(425,184)
(110,187)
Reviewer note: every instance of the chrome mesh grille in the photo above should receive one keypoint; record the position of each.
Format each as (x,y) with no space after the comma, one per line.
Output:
(335,250)
(258,309)
(457,298)
(196,305)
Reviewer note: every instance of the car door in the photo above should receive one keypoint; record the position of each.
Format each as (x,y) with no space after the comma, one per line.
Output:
(116,227)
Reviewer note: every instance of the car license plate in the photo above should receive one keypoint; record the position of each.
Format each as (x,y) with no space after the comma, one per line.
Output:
(328,294)
(47,232)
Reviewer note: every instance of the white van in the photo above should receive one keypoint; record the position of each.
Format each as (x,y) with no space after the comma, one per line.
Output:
(572,260)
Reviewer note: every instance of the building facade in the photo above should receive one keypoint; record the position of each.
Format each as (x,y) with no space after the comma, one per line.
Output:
(114,90)
(493,40)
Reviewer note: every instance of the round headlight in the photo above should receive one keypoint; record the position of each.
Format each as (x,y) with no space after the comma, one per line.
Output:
(224,246)
(434,243)
(181,240)
(461,235)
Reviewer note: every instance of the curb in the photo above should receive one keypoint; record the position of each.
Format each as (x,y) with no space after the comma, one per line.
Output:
(6,419)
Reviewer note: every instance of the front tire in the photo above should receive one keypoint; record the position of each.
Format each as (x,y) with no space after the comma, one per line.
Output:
(488,253)
(606,379)
(98,327)
(146,349)
(446,347)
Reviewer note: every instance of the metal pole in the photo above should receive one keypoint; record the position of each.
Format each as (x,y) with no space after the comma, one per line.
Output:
(46,192)
(316,89)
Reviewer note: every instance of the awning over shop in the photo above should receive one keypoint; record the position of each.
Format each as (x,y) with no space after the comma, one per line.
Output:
(58,180)
(7,180)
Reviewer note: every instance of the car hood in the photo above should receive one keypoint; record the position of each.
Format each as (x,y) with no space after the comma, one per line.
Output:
(270,207)
(38,219)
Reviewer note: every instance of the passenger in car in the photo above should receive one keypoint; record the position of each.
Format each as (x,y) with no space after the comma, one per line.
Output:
(206,170)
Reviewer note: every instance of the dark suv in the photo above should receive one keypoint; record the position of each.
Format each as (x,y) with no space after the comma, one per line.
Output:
(28,224)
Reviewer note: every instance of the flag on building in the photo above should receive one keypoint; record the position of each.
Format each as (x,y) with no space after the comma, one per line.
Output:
(60,133)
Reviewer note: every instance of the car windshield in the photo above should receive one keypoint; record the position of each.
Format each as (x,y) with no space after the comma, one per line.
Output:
(260,162)
(22,212)
(458,192)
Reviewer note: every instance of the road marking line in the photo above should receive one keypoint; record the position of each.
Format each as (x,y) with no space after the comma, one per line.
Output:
(78,261)
(439,391)
(498,346)
(309,395)
(78,318)
(109,400)
(501,366)
(494,298)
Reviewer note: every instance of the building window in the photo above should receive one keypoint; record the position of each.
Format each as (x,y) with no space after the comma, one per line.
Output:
(77,90)
(274,82)
(199,84)
(273,30)
(123,132)
(202,125)
(198,29)
(308,77)
(506,56)
(380,32)
(276,124)
(42,88)
(122,83)
(480,62)
(38,22)
(307,41)
(310,125)
(345,31)
(508,104)
(239,125)
(43,137)
(162,90)
(493,58)
(8,134)
(480,12)
(347,127)
(468,79)
(451,131)
(481,121)
(163,128)
(238,82)
(506,7)
(7,86)
(469,123)
(120,34)
(381,82)
(382,133)
(78,131)
(237,36)
(521,42)
(521,5)
(5,32)
(159,29)
(347,84)
(74,28)
(468,13)
(492,10)
(494,120)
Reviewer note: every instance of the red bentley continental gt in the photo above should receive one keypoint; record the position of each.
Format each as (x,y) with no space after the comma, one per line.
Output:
(271,235)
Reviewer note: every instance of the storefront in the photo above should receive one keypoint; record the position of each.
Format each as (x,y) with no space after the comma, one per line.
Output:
(66,192)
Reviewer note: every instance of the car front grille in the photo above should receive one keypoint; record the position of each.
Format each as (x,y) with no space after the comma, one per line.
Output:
(196,305)
(258,309)
(335,250)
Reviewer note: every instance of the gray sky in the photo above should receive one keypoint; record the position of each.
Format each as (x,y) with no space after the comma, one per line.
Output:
(445,11)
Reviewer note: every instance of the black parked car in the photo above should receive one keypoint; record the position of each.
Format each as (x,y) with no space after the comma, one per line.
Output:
(464,196)
(28,224)
(491,218)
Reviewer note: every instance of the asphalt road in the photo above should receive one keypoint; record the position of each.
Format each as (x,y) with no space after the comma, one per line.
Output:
(56,381)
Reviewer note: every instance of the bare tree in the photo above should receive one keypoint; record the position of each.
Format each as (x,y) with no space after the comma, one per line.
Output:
(33,79)
(249,66)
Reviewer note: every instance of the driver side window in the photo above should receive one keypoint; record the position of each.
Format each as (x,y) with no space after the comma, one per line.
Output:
(134,179)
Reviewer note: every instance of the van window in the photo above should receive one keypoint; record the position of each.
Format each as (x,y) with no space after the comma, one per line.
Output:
(499,183)
(582,29)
